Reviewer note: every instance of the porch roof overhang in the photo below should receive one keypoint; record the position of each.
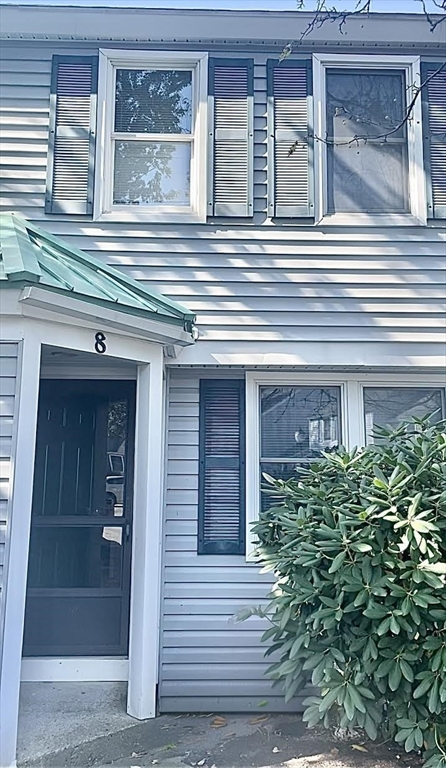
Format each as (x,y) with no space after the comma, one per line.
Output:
(52,272)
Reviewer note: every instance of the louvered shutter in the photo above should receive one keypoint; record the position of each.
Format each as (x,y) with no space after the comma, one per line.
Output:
(290,177)
(434,133)
(73,100)
(231,89)
(222,461)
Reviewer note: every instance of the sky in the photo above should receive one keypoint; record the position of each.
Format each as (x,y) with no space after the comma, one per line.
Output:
(389,6)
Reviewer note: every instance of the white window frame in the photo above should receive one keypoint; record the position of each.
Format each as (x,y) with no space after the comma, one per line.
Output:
(352,421)
(109,62)
(417,179)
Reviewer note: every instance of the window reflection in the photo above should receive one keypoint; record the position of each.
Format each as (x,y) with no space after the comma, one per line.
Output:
(117,423)
(389,406)
(368,176)
(296,425)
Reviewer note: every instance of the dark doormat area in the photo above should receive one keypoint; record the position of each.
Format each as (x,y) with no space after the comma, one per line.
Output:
(225,741)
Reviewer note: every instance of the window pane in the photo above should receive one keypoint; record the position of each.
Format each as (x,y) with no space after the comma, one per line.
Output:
(367,176)
(151,174)
(390,405)
(280,471)
(299,422)
(76,557)
(153,101)
(367,179)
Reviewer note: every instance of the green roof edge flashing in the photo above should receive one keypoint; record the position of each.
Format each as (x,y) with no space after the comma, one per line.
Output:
(22,244)
(112,305)
(20,259)
(91,261)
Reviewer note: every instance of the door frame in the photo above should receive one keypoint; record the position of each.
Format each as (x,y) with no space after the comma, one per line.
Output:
(34,331)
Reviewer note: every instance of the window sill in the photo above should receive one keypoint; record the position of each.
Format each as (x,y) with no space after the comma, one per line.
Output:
(368,220)
(152,217)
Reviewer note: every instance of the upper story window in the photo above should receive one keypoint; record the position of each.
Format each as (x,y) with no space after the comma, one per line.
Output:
(368,151)
(350,138)
(369,175)
(151,142)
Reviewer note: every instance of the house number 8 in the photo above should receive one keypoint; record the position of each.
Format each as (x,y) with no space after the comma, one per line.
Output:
(99,343)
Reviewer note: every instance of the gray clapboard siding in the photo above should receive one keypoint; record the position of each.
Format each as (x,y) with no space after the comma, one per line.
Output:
(8,372)
(253,280)
(205,655)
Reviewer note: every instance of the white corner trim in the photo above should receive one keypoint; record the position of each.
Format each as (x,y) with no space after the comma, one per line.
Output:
(69,670)
(352,417)
(416,180)
(17,545)
(109,60)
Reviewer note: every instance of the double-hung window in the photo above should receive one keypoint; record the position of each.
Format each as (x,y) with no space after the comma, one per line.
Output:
(368,140)
(297,423)
(151,136)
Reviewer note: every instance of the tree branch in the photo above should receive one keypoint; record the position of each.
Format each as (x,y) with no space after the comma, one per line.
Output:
(324,13)
(433,23)
(383,136)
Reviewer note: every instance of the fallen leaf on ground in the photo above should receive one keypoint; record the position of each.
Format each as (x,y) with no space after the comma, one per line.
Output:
(359,748)
(259,719)
(202,762)
(219,722)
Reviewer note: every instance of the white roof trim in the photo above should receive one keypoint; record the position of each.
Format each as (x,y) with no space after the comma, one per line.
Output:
(182,26)
(34,298)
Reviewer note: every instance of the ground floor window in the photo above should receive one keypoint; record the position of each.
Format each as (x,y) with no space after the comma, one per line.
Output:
(392,405)
(296,425)
(291,418)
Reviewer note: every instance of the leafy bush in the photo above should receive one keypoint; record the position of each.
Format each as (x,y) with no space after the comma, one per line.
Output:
(358,544)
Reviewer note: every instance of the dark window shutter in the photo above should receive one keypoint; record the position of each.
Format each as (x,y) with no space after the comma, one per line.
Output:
(73,101)
(290,177)
(434,133)
(231,161)
(221,513)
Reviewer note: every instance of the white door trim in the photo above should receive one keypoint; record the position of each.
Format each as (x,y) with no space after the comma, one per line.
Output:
(145,595)
(146,550)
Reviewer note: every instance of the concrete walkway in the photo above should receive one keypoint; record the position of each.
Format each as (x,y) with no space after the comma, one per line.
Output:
(93,730)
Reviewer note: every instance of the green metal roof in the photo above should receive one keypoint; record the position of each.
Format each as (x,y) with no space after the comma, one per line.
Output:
(29,256)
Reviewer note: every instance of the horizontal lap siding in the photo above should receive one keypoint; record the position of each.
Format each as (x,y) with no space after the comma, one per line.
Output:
(8,374)
(208,660)
(263,280)
(248,280)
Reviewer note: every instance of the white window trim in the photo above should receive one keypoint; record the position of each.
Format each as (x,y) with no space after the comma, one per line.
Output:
(417,180)
(352,417)
(109,60)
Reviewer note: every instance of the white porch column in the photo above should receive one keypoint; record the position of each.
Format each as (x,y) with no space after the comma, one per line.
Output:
(17,545)
(147,543)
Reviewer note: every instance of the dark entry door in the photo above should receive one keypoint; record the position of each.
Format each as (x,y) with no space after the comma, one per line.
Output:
(79,561)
